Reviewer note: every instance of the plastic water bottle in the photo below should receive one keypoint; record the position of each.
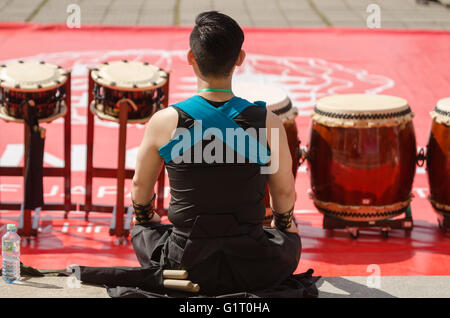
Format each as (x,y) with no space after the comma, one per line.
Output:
(11,255)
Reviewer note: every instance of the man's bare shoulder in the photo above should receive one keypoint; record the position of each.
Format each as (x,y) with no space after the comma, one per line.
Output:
(164,117)
(162,125)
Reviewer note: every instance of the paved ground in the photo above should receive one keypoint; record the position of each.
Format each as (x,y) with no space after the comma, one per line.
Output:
(334,287)
(273,13)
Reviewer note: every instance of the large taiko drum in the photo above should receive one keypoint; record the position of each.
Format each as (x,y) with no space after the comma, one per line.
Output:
(362,156)
(39,82)
(438,158)
(280,104)
(140,84)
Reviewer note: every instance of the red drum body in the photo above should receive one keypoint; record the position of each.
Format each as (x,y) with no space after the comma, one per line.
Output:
(278,102)
(138,83)
(438,158)
(362,156)
(39,82)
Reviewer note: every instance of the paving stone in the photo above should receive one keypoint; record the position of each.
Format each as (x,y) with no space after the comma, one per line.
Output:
(343,15)
(305,15)
(119,20)
(259,5)
(159,4)
(43,287)
(350,23)
(151,19)
(397,4)
(306,24)
(392,24)
(422,25)
(359,4)
(398,13)
(294,4)
(329,4)
(270,22)
(205,5)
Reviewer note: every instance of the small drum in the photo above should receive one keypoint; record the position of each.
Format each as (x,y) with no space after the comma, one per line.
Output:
(438,158)
(138,83)
(362,156)
(40,82)
(279,103)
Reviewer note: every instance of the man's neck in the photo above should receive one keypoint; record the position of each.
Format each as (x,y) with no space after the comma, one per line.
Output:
(215,83)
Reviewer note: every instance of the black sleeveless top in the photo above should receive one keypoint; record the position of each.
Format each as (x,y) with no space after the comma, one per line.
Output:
(218,188)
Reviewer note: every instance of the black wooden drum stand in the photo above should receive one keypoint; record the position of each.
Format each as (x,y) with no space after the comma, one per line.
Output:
(28,224)
(353,227)
(444,222)
(120,225)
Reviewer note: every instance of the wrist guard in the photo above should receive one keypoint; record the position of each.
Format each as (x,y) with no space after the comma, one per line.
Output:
(283,221)
(144,213)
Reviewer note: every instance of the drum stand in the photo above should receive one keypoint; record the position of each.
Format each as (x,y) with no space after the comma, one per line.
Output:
(444,222)
(119,225)
(28,224)
(353,227)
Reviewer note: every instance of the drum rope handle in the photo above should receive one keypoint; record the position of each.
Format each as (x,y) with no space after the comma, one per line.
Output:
(127,100)
(28,101)
(303,155)
(421,157)
(159,97)
(97,94)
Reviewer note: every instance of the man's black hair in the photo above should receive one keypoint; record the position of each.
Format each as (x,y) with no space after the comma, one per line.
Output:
(216,42)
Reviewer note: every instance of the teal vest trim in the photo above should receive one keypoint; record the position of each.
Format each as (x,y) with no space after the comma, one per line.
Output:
(219,118)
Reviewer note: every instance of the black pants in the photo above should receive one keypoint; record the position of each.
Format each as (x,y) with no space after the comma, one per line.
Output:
(222,256)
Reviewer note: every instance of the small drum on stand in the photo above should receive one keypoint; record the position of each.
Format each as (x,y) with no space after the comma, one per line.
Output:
(123,92)
(33,93)
(362,156)
(278,102)
(40,82)
(438,162)
(138,83)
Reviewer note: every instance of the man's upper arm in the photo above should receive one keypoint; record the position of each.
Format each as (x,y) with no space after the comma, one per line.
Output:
(282,180)
(157,133)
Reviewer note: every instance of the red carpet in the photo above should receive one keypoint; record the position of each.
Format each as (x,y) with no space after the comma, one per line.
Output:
(307,63)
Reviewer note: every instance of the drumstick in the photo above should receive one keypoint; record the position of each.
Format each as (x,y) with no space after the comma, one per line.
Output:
(183,285)
(175,274)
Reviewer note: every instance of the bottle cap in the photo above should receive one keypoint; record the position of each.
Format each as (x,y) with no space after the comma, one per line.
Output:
(11,227)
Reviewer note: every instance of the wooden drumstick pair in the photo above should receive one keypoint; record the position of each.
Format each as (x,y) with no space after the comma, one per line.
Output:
(177,279)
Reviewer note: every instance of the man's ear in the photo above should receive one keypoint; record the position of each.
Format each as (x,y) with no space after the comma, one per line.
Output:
(190,57)
(240,58)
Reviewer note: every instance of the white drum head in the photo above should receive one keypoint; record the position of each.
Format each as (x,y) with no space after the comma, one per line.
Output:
(441,112)
(129,75)
(276,98)
(362,110)
(32,76)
